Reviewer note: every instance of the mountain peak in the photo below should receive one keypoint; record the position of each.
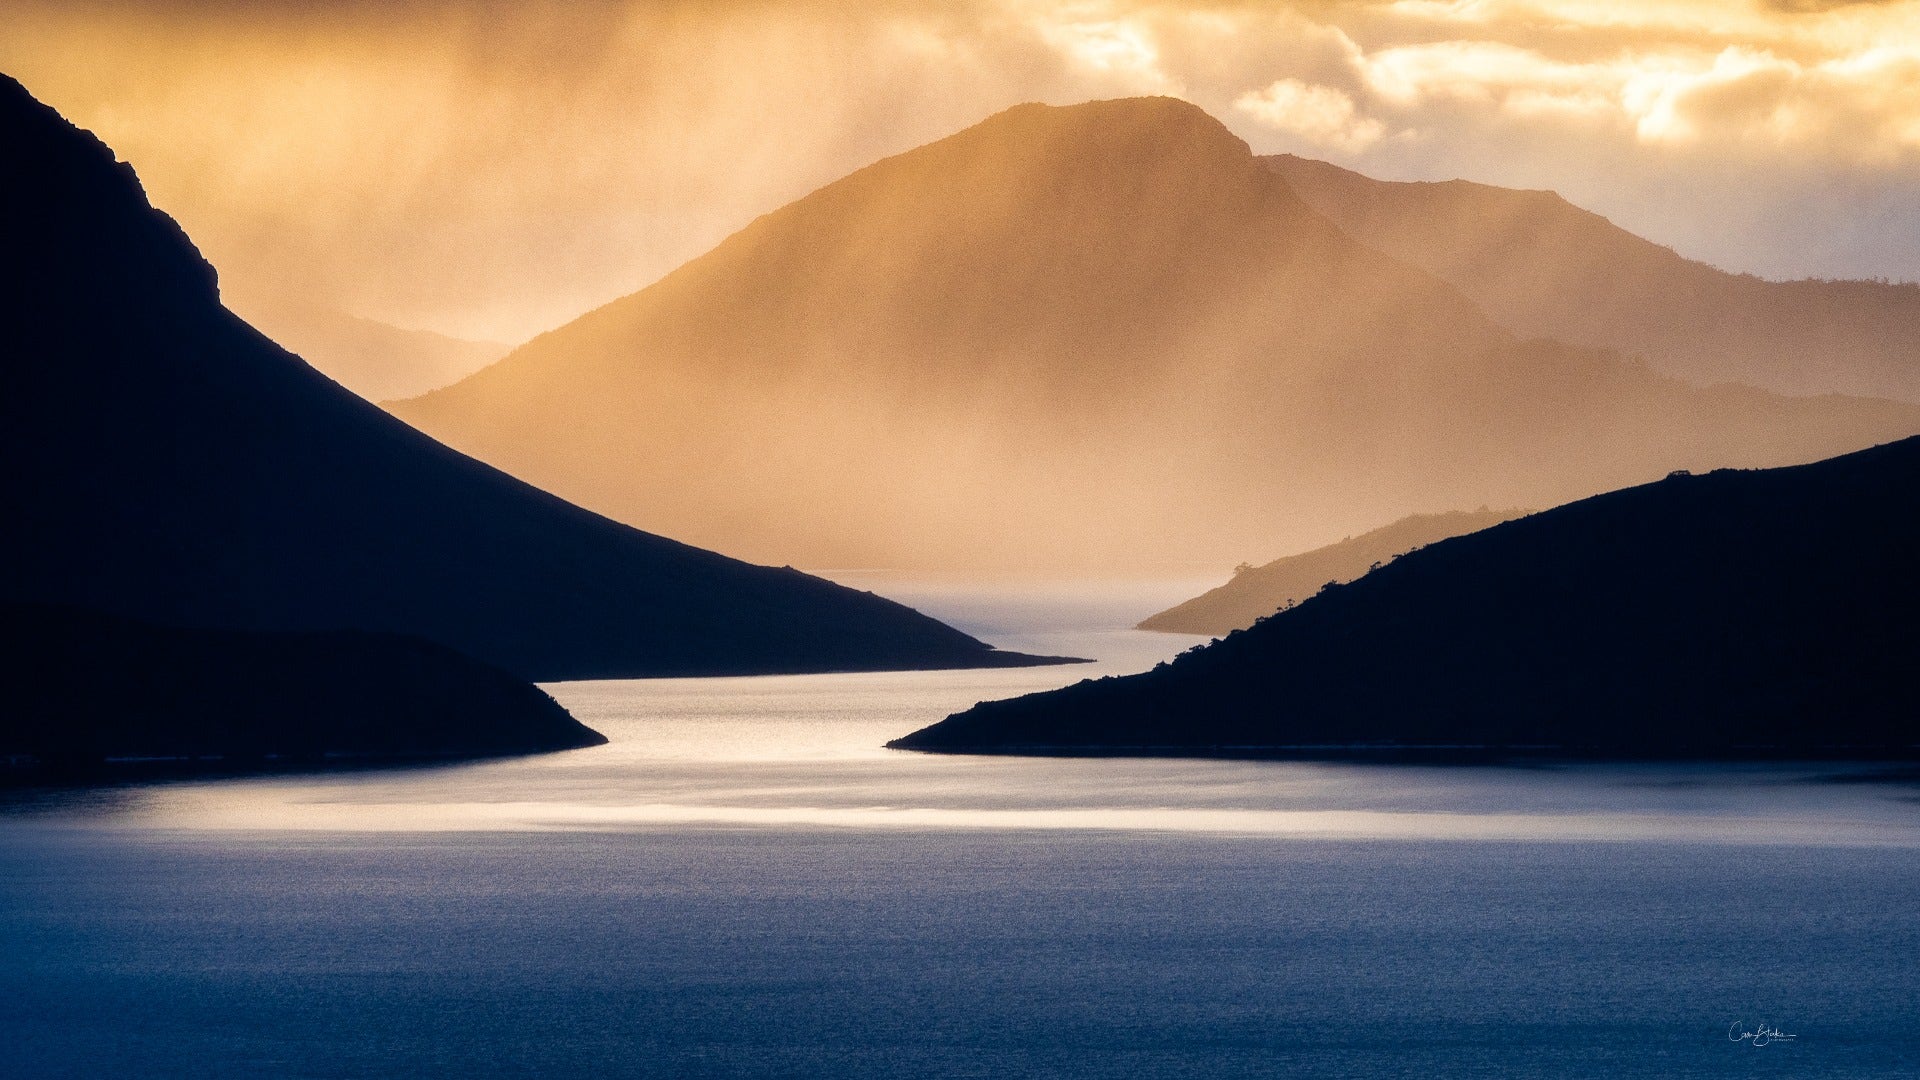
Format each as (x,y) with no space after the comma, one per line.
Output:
(1140,132)
(171,465)
(1158,115)
(82,219)
(1108,154)
(1092,336)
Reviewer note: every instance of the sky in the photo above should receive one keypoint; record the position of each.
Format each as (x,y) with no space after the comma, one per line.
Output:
(491,170)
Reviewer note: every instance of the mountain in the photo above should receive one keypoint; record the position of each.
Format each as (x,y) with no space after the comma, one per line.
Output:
(1087,339)
(1542,267)
(1736,614)
(374,360)
(166,462)
(1258,591)
(90,695)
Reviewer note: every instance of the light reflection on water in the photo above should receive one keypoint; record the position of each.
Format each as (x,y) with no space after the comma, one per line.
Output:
(807,751)
(743,884)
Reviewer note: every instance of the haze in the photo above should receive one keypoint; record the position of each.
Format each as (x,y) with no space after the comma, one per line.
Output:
(491,171)
(1083,339)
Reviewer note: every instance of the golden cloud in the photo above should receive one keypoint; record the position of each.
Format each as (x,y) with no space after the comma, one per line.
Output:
(491,170)
(1320,114)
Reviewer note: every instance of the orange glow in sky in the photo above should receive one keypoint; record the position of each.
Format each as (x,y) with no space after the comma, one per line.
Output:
(492,170)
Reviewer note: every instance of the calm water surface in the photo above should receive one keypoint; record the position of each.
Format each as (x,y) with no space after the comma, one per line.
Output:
(743,883)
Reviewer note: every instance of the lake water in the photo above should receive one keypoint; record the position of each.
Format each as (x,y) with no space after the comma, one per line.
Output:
(744,884)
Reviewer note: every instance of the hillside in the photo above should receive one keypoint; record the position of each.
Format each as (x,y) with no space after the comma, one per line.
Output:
(1542,267)
(166,462)
(90,696)
(1738,614)
(1259,591)
(1099,338)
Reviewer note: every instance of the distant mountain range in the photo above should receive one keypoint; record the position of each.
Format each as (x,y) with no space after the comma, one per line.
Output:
(1737,614)
(1258,591)
(166,462)
(1097,338)
(1542,267)
(371,358)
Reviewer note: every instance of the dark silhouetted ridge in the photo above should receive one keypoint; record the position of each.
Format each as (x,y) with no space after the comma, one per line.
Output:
(1258,591)
(1096,338)
(166,462)
(89,695)
(1737,614)
(1542,267)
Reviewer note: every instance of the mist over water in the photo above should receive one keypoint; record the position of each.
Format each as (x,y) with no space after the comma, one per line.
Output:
(743,882)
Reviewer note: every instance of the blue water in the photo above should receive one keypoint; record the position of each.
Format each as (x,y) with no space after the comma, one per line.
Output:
(743,885)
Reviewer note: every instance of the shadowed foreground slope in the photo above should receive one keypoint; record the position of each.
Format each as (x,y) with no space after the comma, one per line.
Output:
(1766,613)
(1543,267)
(82,688)
(1259,591)
(165,461)
(1080,340)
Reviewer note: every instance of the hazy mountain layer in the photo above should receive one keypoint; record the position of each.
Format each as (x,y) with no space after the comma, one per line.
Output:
(1091,338)
(1542,267)
(165,461)
(84,688)
(374,360)
(1742,613)
(1259,591)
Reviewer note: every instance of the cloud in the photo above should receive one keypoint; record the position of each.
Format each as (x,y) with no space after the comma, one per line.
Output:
(492,169)
(1109,47)
(1801,7)
(1481,71)
(1321,115)
(1863,108)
